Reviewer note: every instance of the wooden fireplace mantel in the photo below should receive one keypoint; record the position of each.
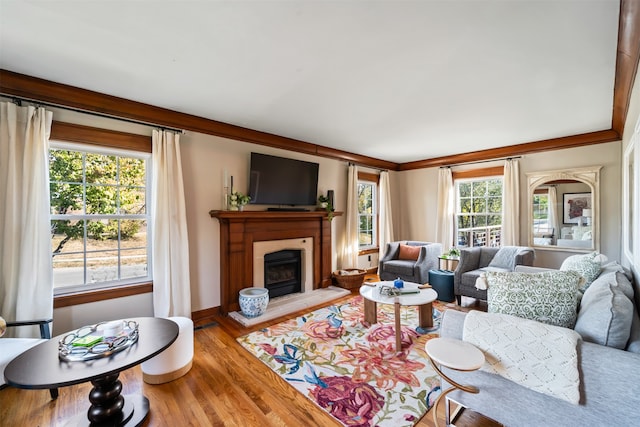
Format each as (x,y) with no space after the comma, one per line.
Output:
(238,231)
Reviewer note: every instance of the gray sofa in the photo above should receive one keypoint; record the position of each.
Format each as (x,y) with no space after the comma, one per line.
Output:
(610,377)
(475,260)
(416,271)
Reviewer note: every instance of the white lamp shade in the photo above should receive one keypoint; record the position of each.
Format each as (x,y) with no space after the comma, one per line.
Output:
(586,212)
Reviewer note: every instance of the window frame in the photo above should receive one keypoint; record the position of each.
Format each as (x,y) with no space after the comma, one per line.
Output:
(63,132)
(475,175)
(374,180)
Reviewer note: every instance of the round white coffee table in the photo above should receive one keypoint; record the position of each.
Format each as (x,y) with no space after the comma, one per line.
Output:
(453,354)
(421,298)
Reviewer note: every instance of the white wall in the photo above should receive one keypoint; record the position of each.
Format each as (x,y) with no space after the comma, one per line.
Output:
(605,155)
(204,158)
(415,215)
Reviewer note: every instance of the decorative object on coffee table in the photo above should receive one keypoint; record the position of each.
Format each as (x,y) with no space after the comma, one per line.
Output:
(254,301)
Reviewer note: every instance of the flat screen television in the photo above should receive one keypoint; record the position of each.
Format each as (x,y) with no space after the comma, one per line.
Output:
(280,181)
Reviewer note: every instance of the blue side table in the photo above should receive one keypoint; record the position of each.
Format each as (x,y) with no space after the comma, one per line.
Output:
(442,282)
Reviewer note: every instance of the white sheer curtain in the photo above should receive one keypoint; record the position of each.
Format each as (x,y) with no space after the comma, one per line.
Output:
(26,284)
(349,255)
(386,221)
(446,201)
(553,211)
(511,204)
(171,286)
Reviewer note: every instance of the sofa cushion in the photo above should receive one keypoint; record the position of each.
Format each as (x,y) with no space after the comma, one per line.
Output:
(399,267)
(606,313)
(549,297)
(505,258)
(409,253)
(633,345)
(588,265)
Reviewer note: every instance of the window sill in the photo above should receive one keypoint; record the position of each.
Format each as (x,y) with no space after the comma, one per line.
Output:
(367,251)
(76,298)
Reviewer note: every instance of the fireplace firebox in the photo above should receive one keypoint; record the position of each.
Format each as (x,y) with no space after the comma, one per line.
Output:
(283,272)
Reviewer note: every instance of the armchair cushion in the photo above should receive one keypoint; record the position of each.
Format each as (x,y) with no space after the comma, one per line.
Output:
(409,253)
(12,347)
(549,297)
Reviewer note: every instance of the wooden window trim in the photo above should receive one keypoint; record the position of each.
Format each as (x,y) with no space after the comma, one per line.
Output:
(375,178)
(368,251)
(478,173)
(95,295)
(70,132)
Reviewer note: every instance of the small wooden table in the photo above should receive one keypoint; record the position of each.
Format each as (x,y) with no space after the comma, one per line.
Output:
(450,263)
(423,299)
(453,354)
(40,367)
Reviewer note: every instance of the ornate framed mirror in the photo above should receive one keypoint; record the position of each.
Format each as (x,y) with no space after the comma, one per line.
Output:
(564,209)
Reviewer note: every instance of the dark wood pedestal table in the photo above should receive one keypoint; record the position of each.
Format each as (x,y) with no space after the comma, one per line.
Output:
(41,368)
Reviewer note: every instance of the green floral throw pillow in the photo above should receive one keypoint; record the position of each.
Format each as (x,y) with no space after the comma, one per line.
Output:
(588,266)
(550,297)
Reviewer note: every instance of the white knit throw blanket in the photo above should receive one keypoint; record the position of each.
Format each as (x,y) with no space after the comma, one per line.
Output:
(535,355)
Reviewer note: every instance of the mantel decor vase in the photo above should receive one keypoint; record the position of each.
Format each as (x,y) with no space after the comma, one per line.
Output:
(253,301)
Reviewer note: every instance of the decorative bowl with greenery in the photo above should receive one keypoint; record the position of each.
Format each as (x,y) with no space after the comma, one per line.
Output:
(453,253)
(237,200)
(325,203)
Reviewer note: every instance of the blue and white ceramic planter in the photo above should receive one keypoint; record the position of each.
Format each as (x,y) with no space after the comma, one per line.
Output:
(253,301)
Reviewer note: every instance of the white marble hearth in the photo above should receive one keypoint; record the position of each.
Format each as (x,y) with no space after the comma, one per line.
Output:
(288,304)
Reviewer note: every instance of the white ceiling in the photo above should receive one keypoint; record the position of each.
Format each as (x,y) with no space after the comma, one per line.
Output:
(394,80)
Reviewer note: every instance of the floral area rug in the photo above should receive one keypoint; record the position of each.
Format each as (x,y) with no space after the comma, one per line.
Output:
(351,369)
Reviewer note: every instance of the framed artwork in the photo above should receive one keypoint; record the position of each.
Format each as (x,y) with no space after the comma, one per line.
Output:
(573,206)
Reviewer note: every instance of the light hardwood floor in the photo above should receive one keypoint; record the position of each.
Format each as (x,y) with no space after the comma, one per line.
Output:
(226,387)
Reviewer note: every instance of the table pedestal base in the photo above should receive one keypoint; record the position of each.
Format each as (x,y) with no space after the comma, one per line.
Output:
(110,408)
(425,318)
(134,413)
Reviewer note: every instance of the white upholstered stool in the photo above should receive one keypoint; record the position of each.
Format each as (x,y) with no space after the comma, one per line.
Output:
(176,360)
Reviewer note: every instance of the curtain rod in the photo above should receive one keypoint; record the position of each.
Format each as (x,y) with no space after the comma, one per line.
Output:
(18,100)
(480,161)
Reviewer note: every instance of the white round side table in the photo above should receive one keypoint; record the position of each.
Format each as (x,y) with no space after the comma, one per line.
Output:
(453,354)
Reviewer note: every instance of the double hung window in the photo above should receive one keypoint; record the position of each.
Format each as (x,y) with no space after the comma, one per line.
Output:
(99,217)
(478,211)
(367,214)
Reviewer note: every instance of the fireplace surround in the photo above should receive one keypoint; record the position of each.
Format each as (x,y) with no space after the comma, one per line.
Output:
(241,231)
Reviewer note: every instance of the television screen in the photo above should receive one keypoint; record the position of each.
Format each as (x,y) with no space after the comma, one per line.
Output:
(279,181)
